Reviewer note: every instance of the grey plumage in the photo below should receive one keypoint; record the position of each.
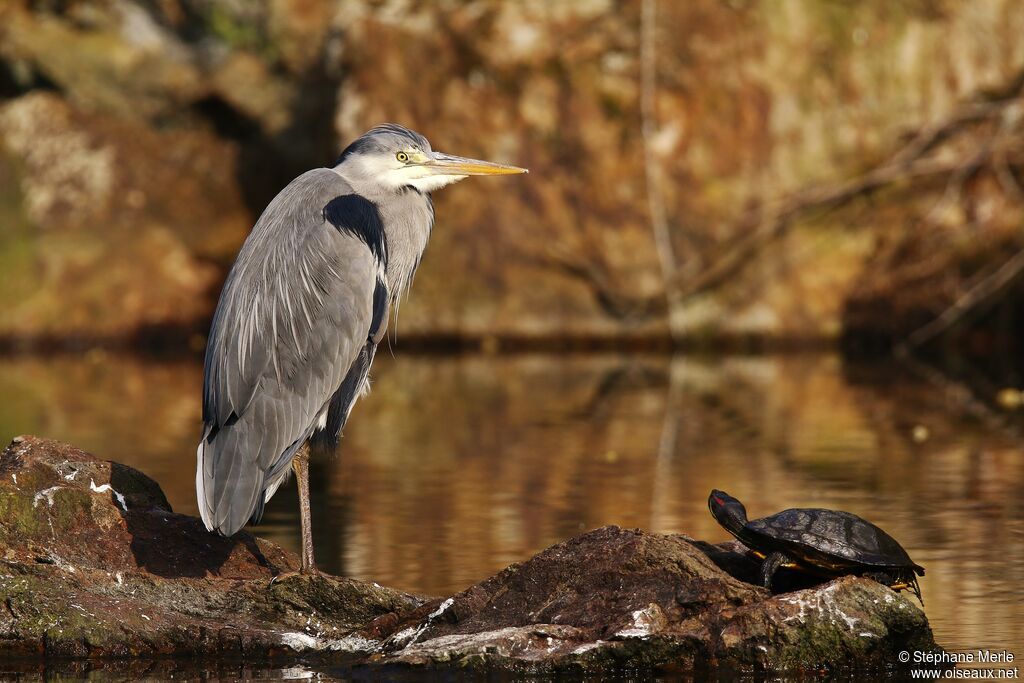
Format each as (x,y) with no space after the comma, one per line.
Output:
(290,324)
(303,309)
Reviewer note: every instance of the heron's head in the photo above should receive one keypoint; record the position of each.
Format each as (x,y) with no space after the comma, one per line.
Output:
(390,158)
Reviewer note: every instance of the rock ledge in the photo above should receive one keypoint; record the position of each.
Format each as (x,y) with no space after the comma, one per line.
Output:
(94,565)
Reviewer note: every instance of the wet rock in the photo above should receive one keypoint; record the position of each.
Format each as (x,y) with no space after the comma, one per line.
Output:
(624,598)
(93,563)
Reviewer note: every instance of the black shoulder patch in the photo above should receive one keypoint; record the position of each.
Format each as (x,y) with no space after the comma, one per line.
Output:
(360,218)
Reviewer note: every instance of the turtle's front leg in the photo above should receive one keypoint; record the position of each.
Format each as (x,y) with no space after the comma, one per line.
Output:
(885,579)
(771,565)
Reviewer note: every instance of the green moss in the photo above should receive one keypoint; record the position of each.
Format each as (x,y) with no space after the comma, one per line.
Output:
(820,643)
(18,274)
(27,515)
(239,33)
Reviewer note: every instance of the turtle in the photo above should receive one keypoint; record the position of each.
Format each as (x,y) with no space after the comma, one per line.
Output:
(819,541)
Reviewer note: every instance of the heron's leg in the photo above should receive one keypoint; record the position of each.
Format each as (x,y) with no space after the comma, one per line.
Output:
(300,463)
(769,567)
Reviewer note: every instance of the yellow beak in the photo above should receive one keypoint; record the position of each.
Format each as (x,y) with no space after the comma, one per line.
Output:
(445,164)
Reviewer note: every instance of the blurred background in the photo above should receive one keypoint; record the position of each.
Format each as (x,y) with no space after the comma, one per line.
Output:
(772,247)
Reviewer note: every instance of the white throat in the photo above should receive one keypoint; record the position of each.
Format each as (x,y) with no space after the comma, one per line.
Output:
(372,174)
(429,183)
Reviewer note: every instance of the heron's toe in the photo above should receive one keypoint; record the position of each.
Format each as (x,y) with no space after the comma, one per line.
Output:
(293,575)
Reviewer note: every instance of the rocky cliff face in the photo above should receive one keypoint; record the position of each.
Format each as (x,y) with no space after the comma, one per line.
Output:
(123,228)
(94,566)
(168,126)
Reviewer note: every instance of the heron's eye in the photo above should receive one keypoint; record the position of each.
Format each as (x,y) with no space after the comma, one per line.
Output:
(402,156)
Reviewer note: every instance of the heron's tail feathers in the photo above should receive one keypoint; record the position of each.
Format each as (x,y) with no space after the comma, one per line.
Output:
(229,486)
(205,508)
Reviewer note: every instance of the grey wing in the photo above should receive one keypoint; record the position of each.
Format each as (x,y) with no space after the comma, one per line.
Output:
(356,382)
(293,318)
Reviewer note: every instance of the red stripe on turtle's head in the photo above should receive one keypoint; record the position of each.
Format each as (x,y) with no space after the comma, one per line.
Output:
(727,511)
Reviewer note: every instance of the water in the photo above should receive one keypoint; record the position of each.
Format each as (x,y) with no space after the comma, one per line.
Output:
(456,466)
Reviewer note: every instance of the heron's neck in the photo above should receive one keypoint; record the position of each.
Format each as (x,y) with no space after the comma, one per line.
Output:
(408,218)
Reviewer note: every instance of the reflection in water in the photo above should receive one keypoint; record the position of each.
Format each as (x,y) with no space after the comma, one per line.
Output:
(457,466)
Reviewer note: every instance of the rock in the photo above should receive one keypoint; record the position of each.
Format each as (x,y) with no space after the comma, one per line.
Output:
(93,563)
(244,82)
(555,86)
(552,86)
(122,59)
(112,57)
(299,29)
(119,222)
(625,598)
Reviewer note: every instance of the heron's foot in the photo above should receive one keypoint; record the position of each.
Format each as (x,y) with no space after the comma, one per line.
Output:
(294,574)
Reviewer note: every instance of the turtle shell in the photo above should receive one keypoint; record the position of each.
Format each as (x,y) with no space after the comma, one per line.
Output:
(829,539)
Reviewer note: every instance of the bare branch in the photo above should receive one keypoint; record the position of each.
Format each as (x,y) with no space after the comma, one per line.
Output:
(907,164)
(913,163)
(608,295)
(652,169)
(975,297)
(817,200)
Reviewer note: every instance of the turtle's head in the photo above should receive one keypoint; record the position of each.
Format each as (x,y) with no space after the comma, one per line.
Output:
(727,511)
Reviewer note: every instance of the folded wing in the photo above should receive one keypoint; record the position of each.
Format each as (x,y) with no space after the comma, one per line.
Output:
(292,323)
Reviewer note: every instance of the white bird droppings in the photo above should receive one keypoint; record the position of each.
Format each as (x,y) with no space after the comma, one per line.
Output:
(820,601)
(299,641)
(444,606)
(587,647)
(351,643)
(107,487)
(45,494)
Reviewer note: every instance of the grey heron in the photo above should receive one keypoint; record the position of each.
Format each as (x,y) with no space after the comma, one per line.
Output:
(301,313)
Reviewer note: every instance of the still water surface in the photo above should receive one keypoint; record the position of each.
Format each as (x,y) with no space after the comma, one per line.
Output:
(456,466)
